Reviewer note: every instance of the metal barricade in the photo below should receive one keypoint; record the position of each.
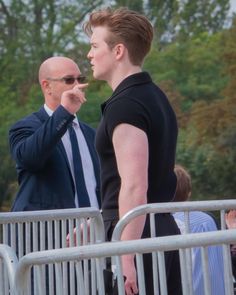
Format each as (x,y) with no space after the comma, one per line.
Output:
(30,231)
(8,263)
(115,250)
(185,256)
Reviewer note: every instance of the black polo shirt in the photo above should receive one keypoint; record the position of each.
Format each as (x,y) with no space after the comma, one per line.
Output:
(139,102)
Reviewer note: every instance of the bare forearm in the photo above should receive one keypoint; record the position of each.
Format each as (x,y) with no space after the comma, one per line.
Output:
(127,202)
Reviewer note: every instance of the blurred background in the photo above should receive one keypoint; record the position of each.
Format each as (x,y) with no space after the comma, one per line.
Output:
(193,59)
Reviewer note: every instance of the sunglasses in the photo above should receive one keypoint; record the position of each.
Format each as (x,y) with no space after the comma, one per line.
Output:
(69,80)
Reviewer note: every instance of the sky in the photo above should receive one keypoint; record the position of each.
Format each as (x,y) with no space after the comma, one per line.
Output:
(233,5)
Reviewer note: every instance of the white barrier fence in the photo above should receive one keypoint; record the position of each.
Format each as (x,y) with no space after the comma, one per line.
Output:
(217,206)
(31,231)
(28,232)
(115,249)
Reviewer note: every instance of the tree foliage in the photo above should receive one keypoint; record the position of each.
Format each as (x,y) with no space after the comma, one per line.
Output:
(181,19)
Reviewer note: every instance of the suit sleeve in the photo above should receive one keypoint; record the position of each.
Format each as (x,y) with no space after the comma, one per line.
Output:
(32,142)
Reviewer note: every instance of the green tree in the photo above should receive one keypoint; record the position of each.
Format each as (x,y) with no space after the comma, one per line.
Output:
(136,5)
(200,16)
(195,67)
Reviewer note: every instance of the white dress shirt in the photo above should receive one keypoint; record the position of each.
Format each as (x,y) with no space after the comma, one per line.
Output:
(87,164)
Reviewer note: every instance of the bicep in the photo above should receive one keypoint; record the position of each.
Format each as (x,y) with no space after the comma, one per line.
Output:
(131,149)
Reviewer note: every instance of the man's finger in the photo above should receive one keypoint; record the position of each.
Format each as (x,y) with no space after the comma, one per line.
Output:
(81,86)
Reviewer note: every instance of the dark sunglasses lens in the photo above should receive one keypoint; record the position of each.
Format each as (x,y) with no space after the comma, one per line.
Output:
(81,79)
(69,80)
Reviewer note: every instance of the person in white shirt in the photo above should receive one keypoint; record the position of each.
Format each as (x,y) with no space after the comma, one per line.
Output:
(199,222)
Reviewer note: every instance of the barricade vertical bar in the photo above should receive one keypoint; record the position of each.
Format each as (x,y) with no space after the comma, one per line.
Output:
(119,274)
(63,233)
(85,264)
(188,255)
(5,287)
(72,277)
(20,237)
(162,272)
(100,279)
(140,271)
(154,257)
(39,281)
(2,278)
(35,236)
(50,246)
(93,262)
(42,246)
(222,219)
(71,230)
(92,231)
(58,279)
(71,264)
(5,234)
(13,236)
(155,273)
(79,275)
(64,264)
(93,276)
(42,227)
(183,268)
(57,234)
(228,276)
(27,238)
(79,233)
(86,276)
(71,244)
(205,270)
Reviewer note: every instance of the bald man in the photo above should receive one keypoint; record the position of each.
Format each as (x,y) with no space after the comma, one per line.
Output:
(41,147)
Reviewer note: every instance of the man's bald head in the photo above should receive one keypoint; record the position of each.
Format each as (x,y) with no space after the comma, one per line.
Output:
(51,74)
(53,65)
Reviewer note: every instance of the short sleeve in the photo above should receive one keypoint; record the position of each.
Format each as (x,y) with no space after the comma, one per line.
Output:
(125,110)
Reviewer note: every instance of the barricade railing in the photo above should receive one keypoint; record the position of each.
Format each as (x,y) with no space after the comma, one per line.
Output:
(186,207)
(185,256)
(8,263)
(115,250)
(30,231)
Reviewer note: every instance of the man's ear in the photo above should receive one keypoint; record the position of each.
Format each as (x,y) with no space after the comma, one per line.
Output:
(120,50)
(46,86)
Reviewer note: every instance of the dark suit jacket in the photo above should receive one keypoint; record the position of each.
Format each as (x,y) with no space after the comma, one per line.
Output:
(44,176)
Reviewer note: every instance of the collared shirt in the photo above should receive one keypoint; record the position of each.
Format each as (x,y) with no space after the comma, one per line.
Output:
(87,164)
(203,222)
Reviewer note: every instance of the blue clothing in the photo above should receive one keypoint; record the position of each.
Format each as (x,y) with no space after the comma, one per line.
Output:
(42,165)
(203,222)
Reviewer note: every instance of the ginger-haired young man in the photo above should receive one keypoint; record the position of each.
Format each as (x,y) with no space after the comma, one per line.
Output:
(136,137)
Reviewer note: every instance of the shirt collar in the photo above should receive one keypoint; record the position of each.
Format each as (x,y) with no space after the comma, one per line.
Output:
(130,81)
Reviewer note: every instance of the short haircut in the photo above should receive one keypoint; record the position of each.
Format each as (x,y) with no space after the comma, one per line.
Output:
(184,185)
(125,26)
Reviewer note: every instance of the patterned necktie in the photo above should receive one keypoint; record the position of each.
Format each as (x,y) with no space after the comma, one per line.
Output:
(83,198)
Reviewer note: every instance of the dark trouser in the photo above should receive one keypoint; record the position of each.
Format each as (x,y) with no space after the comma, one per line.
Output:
(165,226)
